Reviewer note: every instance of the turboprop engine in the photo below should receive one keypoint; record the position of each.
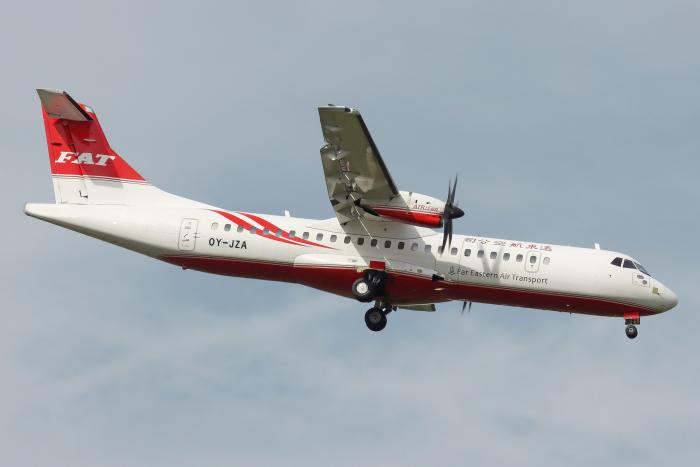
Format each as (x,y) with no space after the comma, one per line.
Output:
(417,209)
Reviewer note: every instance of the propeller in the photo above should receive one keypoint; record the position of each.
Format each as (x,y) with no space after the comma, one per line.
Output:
(450,212)
(464,305)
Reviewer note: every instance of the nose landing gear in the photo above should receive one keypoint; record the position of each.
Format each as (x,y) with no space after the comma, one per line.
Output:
(630,320)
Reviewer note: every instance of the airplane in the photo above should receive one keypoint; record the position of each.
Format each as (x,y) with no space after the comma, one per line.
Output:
(383,245)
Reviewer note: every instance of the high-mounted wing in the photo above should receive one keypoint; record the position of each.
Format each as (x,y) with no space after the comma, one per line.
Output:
(352,165)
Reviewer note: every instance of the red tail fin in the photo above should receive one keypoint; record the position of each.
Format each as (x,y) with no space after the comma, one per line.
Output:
(77,144)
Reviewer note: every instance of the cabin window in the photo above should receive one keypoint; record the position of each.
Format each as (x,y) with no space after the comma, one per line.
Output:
(441,249)
(414,246)
(454,251)
(628,264)
(227,228)
(506,256)
(467,252)
(480,253)
(493,255)
(428,248)
(387,244)
(545,260)
(533,259)
(319,237)
(373,242)
(214,225)
(278,233)
(292,233)
(334,238)
(266,231)
(617,261)
(360,241)
(519,258)
(401,245)
(240,229)
(305,235)
(252,229)
(346,240)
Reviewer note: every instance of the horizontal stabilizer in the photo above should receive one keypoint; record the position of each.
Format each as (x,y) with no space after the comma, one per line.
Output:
(59,104)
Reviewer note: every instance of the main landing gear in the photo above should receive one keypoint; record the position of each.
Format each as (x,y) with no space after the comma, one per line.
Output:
(371,287)
(630,320)
(375,318)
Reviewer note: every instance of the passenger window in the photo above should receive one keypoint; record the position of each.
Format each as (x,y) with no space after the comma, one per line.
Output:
(545,260)
(227,228)
(494,255)
(334,238)
(519,258)
(453,251)
(628,264)
(533,259)
(414,246)
(360,241)
(387,244)
(240,229)
(278,233)
(428,248)
(306,235)
(506,256)
(480,253)
(401,245)
(214,225)
(373,243)
(440,249)
(617,261)
(346,240)
(253,229)
(292,234)
(319,237)
(467,252)
(266,231)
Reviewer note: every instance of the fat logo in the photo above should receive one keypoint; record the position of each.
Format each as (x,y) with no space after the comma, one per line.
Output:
(85,158)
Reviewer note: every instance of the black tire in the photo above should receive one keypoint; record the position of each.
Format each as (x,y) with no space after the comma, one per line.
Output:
(375,319)
(363,290)
(631,331)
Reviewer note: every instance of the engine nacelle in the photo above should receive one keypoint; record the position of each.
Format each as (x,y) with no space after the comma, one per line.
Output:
(409,208)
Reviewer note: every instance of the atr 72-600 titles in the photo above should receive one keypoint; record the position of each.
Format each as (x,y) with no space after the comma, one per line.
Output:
(380,247)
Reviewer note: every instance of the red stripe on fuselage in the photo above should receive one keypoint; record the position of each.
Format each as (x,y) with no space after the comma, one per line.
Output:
(271,226)
(246,225)
(406,288)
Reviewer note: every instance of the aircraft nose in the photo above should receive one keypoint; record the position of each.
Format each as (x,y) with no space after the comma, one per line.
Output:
(671,298)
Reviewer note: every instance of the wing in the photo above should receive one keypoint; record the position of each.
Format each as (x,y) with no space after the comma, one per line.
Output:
(352,165)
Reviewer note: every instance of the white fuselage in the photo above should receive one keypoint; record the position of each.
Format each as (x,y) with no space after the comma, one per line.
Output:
(324,255)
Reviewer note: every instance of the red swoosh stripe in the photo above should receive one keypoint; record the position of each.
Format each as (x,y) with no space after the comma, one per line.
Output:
(238,221)
(272,227)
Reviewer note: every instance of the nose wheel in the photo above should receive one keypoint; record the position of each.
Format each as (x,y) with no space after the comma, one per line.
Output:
(630,320)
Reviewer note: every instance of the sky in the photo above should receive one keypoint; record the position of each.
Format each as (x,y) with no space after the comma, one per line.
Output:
(568,123)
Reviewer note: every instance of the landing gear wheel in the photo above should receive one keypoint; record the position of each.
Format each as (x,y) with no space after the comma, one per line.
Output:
(631,331)
(375,319)
(362,290)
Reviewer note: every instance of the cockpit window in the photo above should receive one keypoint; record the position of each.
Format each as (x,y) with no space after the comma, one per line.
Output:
(628,264)
(617,261)
(641,268)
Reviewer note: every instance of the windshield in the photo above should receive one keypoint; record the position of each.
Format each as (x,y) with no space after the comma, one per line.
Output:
(641,268)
